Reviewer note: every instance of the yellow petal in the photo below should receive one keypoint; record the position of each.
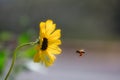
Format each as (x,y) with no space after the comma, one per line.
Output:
(50,27)
(54,49)
(52,57)
(47,64)
(42,27)
(50,61)
(37,47)
(55,42)
(55,35)
(36,57)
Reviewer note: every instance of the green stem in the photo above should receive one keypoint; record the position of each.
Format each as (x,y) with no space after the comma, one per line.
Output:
(14,57)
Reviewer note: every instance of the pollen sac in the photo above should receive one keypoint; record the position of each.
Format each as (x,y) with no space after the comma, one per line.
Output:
(44,44)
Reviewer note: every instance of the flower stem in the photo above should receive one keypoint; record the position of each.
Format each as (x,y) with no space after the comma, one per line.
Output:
(14,57)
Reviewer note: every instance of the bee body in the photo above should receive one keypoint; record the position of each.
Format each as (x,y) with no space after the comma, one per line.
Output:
(81,52)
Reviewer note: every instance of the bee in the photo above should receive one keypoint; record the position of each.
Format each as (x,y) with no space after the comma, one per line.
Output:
(81,52)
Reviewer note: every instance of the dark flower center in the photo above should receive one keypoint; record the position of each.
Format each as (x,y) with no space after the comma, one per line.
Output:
(44,44)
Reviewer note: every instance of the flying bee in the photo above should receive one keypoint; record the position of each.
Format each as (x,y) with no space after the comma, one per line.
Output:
(81,52)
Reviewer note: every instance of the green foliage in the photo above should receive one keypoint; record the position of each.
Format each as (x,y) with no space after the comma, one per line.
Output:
(2,60)
(29,52)
(24,38)
(4,36)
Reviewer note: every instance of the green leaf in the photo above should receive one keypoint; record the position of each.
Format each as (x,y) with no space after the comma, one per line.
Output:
(2,60)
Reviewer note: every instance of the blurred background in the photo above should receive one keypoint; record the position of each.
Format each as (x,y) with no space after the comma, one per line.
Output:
(93,25)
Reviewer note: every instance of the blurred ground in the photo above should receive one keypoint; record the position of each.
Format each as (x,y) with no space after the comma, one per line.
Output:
(101,62)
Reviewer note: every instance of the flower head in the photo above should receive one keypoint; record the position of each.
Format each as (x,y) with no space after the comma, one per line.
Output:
(49,42)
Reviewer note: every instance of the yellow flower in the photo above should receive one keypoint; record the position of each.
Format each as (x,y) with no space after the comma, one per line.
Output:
(48,45)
